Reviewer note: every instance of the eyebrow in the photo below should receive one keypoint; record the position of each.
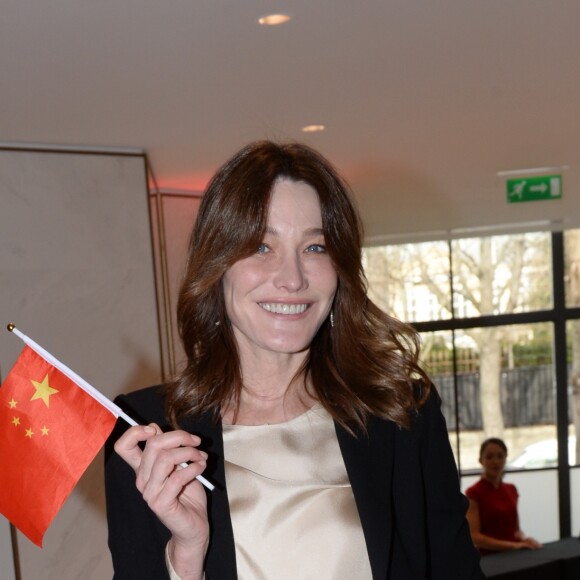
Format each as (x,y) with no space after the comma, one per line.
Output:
(306,233)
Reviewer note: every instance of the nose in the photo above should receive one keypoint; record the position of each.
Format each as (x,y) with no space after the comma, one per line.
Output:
(289,273)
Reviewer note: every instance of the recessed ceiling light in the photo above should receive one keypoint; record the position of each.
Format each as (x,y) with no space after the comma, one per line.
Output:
(313,128)
(274,19)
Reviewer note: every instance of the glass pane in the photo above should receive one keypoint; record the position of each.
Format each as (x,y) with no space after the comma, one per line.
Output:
(506,389)
(502,274)
(410,281)
(437,360)
(573,338)
(575,492)
(572,267)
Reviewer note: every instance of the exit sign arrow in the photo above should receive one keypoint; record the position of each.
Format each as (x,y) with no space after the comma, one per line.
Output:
(534,188)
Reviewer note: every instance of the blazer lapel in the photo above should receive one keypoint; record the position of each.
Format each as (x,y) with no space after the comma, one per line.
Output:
(221,556)
(369,464)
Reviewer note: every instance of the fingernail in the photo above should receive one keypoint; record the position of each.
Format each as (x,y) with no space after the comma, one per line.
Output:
(149,429)
(204,454)
(196,439)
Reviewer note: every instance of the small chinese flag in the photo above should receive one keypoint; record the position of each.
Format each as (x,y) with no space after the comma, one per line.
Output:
(50,431)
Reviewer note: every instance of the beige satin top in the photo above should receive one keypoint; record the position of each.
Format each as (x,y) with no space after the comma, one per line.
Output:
(292,507)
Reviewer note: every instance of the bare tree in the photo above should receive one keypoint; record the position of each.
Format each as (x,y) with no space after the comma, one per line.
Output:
(488,274)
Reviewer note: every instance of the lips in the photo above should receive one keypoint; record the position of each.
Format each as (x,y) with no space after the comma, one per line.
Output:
(283,308)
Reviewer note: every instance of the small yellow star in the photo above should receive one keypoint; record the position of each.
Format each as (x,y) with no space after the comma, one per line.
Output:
(45,430)
(43,390)
(12,403)
(16,421)
(29,433)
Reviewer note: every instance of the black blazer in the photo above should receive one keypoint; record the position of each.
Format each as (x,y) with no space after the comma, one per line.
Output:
(404,482)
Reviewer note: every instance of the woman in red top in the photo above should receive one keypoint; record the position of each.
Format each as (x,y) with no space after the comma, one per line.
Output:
(493,505)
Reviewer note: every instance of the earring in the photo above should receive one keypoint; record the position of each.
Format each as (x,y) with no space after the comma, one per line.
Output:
(217,323)
(332,319)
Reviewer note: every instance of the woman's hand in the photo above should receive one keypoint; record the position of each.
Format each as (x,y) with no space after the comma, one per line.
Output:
(528,544)
(170,490)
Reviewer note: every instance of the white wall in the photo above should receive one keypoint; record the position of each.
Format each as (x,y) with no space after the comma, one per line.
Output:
(76,275)
(175,215)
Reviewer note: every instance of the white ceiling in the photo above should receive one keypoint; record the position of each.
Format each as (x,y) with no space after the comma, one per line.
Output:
(424,101)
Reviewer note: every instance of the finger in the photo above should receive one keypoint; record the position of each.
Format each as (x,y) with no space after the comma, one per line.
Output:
(162,443)
(127,446)
(165,493)
(157,467)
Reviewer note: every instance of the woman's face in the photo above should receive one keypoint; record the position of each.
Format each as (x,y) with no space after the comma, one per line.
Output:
(493,460)
(278,298)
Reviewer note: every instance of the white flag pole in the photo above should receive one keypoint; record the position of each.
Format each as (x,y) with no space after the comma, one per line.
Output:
(112,407)
(115,409)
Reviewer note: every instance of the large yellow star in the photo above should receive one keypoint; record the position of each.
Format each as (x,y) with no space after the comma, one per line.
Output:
(29,433)
(43,390)
(15,421)
(12,403)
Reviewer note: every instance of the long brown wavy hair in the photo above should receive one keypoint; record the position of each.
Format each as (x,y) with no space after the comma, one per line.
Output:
(366,364)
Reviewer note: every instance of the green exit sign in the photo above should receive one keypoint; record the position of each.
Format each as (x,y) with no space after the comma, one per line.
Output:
(534,188)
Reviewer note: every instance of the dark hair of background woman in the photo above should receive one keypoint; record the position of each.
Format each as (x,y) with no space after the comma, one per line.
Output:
(495,441)
(366,364)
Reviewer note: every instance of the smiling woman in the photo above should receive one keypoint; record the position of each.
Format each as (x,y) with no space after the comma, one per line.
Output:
(278,298)
(300,399)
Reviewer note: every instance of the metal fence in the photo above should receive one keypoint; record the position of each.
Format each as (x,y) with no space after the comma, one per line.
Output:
(528,397)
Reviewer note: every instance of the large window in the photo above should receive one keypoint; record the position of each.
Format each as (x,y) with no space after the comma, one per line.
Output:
(499,318)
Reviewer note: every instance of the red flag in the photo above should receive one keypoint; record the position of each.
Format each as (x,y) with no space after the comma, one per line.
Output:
(50,431)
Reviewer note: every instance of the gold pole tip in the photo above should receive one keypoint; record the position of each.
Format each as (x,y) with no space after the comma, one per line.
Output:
(11,326)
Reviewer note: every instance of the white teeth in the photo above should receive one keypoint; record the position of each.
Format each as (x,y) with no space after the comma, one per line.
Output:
(277,308)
